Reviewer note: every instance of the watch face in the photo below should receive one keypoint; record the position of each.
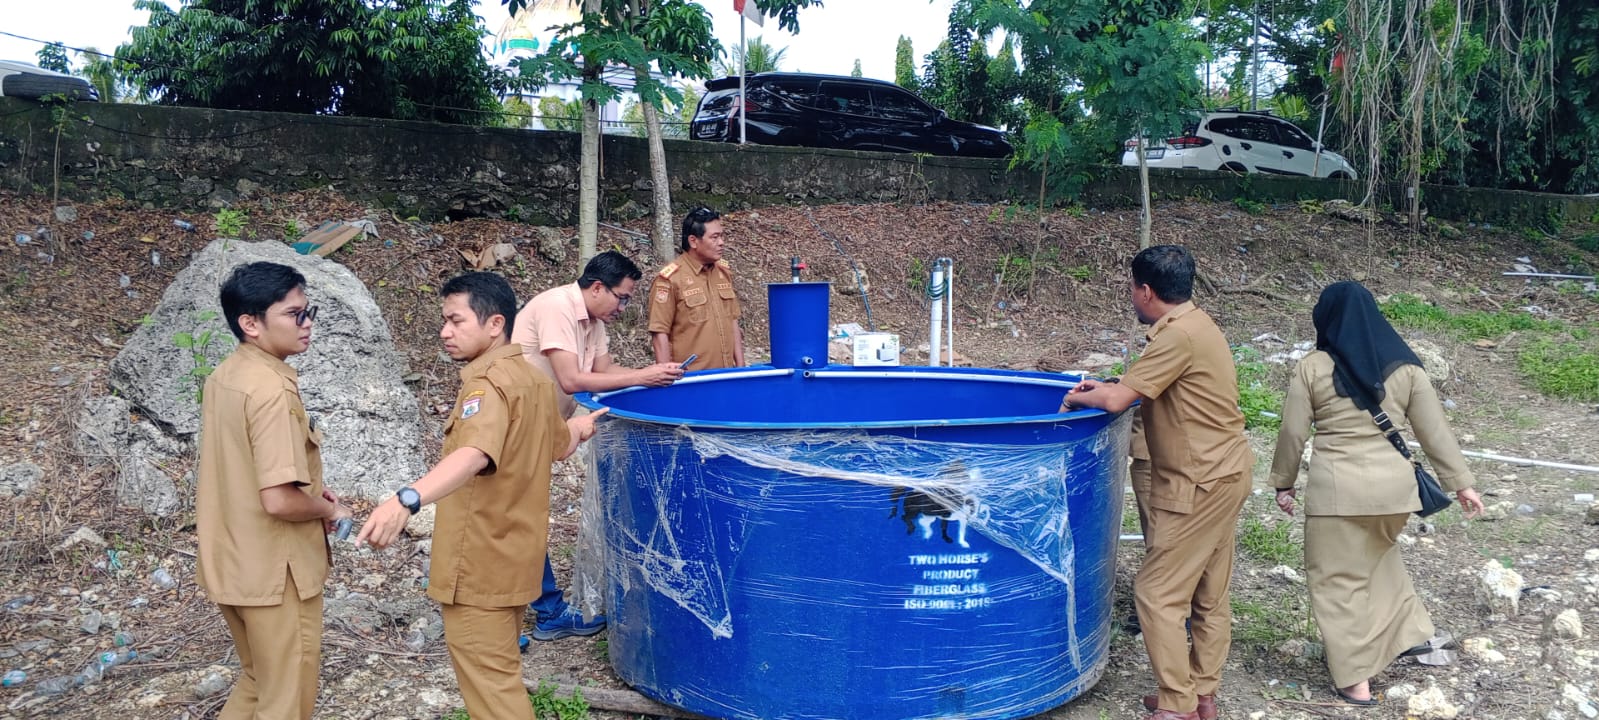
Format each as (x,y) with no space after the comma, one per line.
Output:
(410,499)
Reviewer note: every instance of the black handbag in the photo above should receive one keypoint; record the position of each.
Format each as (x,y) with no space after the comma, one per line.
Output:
(1432,494)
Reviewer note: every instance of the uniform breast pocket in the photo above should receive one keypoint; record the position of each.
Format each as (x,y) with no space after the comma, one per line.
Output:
(696,306)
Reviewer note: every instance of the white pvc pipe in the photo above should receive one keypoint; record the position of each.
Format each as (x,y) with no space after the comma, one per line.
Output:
(949,307)
(1520,461)
(743,57)
(935,334)
(691,379)
(1045,382)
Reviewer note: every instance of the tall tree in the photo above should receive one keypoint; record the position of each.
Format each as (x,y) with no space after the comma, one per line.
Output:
(671,35)
(1129,63)
(558,114)
(54,57)
(905,65)
(106,74)
(857,71)
(413,59)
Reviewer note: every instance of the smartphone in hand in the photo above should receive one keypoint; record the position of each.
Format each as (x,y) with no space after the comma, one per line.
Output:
(689,361)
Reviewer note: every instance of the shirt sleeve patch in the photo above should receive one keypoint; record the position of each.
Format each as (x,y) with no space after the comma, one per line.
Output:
(471,406)
(662,295)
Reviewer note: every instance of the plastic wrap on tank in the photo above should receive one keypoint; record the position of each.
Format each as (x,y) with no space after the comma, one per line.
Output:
(863,572)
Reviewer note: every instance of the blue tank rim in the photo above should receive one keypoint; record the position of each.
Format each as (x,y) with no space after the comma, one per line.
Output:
(594,401)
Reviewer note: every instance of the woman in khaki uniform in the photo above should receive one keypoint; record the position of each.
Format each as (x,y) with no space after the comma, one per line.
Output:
(1360,490)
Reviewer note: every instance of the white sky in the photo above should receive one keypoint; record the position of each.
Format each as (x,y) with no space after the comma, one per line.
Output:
(831,37)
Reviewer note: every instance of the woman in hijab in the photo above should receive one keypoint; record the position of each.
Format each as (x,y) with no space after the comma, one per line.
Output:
(1360,490)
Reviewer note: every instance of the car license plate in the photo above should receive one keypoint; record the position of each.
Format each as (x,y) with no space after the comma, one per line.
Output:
(1154,153)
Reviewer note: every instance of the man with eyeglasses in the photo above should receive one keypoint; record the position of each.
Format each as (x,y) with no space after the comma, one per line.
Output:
(694,312)
(562,333)
(261,511)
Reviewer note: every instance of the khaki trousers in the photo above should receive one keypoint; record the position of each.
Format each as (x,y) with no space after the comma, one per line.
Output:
(1187,575)
(1138,476)
(488,666)
(280,653)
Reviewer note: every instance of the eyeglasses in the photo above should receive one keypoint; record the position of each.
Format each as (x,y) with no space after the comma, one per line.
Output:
(621,300)
(301,317)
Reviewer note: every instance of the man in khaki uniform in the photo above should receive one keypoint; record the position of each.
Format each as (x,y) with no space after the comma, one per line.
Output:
(562,333)
(693,309)
(492,487)
(262,513)
(1199,478)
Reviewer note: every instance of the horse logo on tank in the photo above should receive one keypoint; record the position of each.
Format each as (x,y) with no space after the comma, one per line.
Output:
(919,509)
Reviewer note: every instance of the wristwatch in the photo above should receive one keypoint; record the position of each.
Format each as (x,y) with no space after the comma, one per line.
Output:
(410,499)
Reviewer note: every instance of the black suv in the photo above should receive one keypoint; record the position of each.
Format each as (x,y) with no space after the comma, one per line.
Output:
(831,111)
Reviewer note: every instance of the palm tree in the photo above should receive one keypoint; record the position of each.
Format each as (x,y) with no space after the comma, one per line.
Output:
(108,75)
(759,58)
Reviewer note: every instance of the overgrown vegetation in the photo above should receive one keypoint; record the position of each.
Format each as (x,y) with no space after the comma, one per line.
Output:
(1258,396)
(1270,544)
(1561,370)
(1560,360)
(200,350)
(1265,625)
(548,706)
(1412,311)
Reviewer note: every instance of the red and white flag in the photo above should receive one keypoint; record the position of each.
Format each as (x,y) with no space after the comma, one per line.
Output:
(749,11)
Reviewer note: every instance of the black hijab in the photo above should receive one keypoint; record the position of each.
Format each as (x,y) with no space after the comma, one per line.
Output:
(1364,347)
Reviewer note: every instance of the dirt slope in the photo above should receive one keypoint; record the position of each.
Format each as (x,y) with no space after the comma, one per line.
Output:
(1029,293)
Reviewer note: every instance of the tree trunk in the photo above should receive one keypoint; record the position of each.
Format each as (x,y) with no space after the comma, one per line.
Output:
(588,214)
(661,187)
(1143,192)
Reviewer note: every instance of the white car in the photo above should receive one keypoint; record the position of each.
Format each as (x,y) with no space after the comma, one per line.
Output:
(20,79)
(1242,142)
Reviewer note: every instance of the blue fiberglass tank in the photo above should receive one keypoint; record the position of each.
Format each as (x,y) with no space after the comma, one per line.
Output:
(812,541)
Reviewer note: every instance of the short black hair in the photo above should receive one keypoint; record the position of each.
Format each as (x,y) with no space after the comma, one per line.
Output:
(1166,269)
(487,294)
(610,268)
(254,287)
(694,223)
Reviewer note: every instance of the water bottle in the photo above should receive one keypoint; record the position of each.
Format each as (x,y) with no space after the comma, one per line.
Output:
(183,224)
(13,678)
(103,663)
(57,685)
(112,658)
(122,639)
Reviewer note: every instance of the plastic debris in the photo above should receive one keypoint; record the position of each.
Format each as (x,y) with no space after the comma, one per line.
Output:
(163,579)
(16,603)
(183,224)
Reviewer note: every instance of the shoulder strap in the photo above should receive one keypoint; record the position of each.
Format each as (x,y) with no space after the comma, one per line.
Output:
(1386,425)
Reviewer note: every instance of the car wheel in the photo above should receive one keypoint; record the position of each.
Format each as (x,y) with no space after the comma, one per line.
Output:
(1234,168)
(1340,175)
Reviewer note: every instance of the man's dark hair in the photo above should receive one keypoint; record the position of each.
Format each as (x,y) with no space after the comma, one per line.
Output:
(1166,269)
(694,223)
(609,268)
(487,294)
(254,287)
